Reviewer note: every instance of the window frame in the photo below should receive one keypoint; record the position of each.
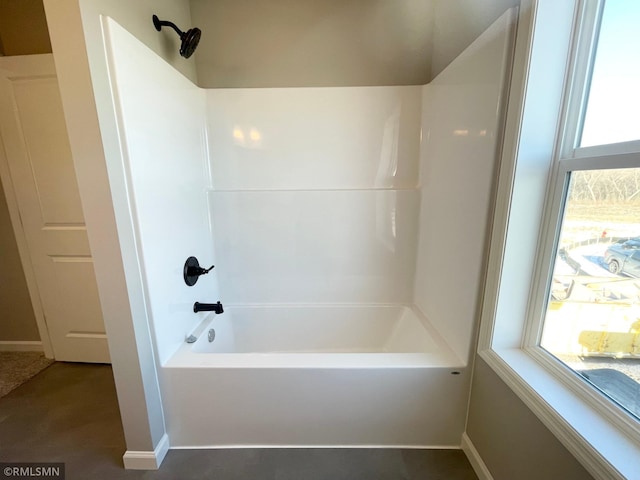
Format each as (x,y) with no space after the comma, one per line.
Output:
(568,157)
(538,152)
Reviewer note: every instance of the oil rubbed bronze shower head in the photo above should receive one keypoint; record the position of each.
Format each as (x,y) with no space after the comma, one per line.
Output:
(189,39)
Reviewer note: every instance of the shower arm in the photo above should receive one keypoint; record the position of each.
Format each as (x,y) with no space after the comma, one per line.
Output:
(165,23)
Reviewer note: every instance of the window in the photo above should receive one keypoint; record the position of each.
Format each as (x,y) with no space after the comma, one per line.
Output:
(612,112)
(592,318)
(562,292)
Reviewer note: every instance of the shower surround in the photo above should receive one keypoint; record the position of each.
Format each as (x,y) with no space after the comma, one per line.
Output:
(348,228)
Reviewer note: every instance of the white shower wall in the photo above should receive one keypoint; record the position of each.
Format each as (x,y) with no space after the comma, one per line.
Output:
(315,246)
(314,138)
(362,194)
(357,195)
(161,121)
(462,118)
(314,196)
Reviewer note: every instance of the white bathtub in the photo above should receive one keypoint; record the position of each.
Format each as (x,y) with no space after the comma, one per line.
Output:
(315,376)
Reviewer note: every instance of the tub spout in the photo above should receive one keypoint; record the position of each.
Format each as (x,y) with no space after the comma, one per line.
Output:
(208,307)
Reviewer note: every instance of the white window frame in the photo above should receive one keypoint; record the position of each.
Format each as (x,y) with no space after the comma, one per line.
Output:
(531,186)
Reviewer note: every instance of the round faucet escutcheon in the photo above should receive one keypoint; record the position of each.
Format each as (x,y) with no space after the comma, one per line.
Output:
(192,271)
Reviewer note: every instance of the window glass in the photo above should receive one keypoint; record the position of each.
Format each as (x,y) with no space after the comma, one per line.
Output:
(613,106)
(592,321)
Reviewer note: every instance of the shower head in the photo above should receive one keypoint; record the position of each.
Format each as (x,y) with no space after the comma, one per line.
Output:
(189,39)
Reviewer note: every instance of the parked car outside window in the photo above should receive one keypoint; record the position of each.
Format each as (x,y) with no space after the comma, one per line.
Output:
(624,257)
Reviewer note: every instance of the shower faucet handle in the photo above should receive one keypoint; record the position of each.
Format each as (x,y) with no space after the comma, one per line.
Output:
(192,271)
(196,271)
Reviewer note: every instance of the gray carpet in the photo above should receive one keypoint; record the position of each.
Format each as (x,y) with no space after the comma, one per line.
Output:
(18,367)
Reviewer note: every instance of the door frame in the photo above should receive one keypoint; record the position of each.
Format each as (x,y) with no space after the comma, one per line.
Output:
(36,66)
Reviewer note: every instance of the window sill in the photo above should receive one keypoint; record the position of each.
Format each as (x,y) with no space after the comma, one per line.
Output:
(604,450)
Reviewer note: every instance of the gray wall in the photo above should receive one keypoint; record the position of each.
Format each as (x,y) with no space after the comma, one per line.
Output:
(458,22)
(17,321)
(294,43)
(511,440)
(246,43)
(23,28)
(289,43)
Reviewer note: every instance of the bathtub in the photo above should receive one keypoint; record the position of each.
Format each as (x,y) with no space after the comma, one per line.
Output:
(339,376)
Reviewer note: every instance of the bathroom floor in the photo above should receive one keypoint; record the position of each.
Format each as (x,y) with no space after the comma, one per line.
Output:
(18,367)
(69,413)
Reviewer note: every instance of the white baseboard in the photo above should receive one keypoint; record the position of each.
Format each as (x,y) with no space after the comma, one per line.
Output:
(236,446)
(144,460)
(475,460)
(21,346)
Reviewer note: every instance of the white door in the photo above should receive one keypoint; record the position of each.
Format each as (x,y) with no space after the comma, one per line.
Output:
(40,183)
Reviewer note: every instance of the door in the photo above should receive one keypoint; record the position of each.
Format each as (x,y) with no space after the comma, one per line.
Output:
(40,183)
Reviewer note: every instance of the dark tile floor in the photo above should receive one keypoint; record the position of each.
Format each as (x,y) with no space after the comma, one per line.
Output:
(69,413)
